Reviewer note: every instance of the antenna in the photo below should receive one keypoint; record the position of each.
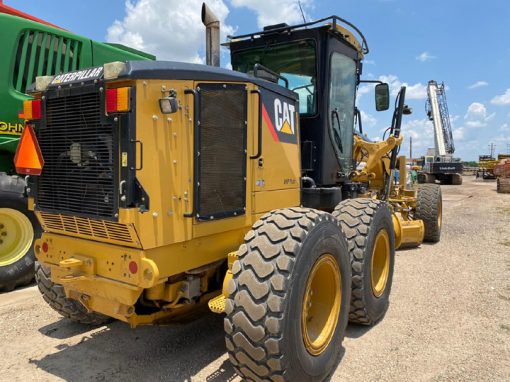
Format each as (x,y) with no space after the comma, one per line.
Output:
(301,9)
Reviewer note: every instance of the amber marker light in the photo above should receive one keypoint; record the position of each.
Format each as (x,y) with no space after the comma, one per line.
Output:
(32,109)
(117,100)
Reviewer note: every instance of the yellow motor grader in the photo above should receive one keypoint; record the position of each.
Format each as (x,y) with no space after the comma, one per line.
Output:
(166,187)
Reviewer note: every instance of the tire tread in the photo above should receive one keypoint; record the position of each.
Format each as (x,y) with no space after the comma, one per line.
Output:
(355,217)
(256,305)
(426,210)
(55,297)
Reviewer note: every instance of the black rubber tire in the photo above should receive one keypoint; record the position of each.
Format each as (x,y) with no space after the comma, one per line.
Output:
(424,178)
(56,298)
(431,178)
(503,185)
(429,202)
(22,271)
(262,323)
(456,179)
(361,220)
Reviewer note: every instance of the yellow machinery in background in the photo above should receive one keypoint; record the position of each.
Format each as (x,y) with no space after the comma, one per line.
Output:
(486,164)
(165,187)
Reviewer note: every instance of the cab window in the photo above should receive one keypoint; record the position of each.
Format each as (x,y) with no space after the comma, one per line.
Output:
(296,61)
(342,91)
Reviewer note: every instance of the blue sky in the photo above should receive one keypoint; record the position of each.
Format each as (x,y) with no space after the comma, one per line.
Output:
(464,43)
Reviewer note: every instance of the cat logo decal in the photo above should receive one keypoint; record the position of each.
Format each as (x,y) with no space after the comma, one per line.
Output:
(280,117)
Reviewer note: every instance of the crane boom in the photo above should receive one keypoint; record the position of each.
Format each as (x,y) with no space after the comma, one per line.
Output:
(437,111)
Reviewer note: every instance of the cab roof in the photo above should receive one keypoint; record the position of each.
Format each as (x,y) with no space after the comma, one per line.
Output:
(341,28)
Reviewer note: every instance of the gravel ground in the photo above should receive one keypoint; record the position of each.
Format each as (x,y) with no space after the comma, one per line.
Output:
(449,319)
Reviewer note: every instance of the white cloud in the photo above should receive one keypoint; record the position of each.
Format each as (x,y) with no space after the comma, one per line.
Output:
(415,91)
(459,134)
(363,89)
(503,99)
(504,127)
(270,12)
(367,119)
(421,130)
(454,118)
(501,142)
(477,116)
(425,56)
(478,84)
(369,62)
(170,29)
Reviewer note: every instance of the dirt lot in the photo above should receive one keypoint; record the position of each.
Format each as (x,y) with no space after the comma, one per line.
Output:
(449,319)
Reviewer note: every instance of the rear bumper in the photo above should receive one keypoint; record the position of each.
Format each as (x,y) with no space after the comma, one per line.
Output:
(105,278)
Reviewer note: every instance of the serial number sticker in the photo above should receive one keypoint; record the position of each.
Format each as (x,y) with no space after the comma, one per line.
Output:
(124,159)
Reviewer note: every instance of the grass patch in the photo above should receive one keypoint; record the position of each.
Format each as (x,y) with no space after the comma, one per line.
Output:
(505,243)
(505,327)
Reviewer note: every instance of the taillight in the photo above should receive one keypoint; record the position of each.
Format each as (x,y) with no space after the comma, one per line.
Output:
(32,109)
(117,100)
(28,159)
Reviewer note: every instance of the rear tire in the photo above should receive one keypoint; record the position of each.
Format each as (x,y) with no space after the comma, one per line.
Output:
(270,303)
(55,296)
(21,272)
(368,227)
(429,208)
(456,179)
(503,185)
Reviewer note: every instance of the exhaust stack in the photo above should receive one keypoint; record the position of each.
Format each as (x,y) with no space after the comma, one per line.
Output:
(212,36)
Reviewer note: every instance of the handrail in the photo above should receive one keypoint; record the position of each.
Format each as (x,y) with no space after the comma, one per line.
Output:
(259,132)
(195,149)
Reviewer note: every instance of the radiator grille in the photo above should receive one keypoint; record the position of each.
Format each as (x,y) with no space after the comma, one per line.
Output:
(79,170)
(43,54)
(222,151)
(98,229)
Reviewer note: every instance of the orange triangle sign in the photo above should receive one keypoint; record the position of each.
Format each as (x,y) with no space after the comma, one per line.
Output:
(28,159)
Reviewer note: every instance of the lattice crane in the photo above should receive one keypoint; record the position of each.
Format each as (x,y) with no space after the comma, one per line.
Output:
(437,111)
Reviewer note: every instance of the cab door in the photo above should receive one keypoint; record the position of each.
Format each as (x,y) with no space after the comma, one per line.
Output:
(342,93)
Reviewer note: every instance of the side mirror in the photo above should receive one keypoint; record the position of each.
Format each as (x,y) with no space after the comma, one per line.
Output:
(382,97)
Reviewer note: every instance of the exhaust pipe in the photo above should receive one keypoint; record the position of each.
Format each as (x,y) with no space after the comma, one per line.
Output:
(212,36)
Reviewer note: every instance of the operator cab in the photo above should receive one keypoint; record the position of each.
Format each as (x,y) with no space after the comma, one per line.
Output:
(322,64)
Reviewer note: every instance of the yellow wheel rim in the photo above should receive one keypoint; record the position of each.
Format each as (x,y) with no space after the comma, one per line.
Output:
(321,304)
(380,263)
(16,236)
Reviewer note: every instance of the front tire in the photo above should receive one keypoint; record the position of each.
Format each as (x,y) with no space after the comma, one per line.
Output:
(429,208)
(289,298)
(368,227)
(55,296)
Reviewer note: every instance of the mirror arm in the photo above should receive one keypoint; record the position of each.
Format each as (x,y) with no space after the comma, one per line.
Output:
(371,82)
